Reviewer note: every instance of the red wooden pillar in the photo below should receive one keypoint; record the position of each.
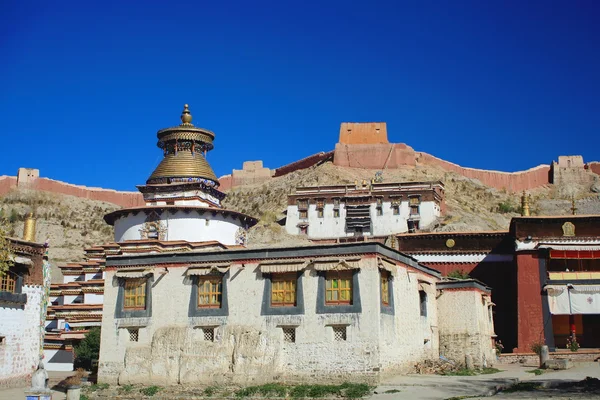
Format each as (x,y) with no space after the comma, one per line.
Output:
(529,302)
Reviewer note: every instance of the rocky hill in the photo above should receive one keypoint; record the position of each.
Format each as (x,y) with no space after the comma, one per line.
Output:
(472,206)
(72,223)
(69,223)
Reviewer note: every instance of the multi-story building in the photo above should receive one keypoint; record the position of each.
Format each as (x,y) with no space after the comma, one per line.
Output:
(23,298)
(186,302)
(364,210)
(75,306)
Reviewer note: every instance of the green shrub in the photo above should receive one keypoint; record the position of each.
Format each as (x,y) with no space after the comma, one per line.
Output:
(150,390)
(88,349)
(458,274)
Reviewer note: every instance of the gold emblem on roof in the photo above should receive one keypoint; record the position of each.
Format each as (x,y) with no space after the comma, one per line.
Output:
(450,243)
(568,229)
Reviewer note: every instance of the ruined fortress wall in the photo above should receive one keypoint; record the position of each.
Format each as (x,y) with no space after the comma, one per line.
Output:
(594,167)
(303,163)
(225,182)
(374,156)
(7,183)
(363,133)
(511,181)
(123,199)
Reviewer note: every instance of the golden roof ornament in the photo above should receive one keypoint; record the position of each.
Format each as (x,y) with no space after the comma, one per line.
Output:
(525,205)
(184,150)
(186,116)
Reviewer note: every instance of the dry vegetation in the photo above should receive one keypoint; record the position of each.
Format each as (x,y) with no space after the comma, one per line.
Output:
(69,223)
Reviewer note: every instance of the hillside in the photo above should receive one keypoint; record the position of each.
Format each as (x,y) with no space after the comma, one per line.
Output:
(72,223)
(69,223)
(472,206)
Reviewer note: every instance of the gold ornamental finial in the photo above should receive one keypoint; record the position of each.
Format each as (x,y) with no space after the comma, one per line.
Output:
(186,116)
(525,205)
(29,228)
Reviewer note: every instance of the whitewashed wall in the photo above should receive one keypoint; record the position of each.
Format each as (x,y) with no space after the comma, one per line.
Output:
(190,226)
(55,366)
(255,341)
(19,355)
(381,225)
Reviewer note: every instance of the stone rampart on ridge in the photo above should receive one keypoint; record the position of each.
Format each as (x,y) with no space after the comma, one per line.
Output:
(29,179)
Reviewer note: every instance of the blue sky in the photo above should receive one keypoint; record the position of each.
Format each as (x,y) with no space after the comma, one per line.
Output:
(84,86)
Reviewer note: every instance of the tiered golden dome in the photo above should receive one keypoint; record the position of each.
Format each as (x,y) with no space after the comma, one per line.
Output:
(184,148)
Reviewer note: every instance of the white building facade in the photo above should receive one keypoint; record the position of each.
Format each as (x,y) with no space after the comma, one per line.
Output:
(369,210)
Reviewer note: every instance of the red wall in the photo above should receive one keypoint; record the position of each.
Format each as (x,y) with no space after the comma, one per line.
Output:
(529,302)
(511,181)
(123,199)
(595,167)
(7,183)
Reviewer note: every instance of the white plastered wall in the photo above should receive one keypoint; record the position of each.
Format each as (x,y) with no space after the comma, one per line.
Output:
(256,342)
(180,225)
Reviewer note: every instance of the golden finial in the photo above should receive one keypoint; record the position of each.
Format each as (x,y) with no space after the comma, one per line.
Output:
(29,228)
(186,116)
(525,205)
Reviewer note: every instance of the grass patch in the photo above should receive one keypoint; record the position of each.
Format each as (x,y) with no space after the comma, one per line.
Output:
(84,397)
(210,391)
(461,372)
(347,390)
(268,390)
(126,388)
(487,371)
(392,391)
(150,390)
(98,386)
(536,371)
(523,387)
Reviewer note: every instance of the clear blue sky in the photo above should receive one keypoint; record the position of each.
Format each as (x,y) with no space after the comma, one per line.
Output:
(84,87)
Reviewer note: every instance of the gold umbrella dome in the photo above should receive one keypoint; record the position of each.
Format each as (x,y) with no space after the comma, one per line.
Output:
(184,149)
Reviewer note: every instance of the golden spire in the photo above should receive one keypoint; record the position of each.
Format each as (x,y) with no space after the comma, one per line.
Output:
(29,228)
(525,205)
(186,116)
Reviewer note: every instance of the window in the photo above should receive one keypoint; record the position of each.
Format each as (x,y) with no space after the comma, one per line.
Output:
(210,290)
(8,283)
(303,204)
(289,335)
(303,214)
(339,333)
(208,334)
(385,287)
(423,302)
(416,225)
(320,212)
(336,213)
(336,203)
(283,290)
(304,230)
(396,208)
(170,202)
(338,287)
(134,335)
(379,210)
(135,294)
(414,205)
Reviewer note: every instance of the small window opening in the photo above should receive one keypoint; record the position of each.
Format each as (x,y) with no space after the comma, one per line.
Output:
(423,302)
(339,333)
(289,335)
(133,335)
(209,334)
